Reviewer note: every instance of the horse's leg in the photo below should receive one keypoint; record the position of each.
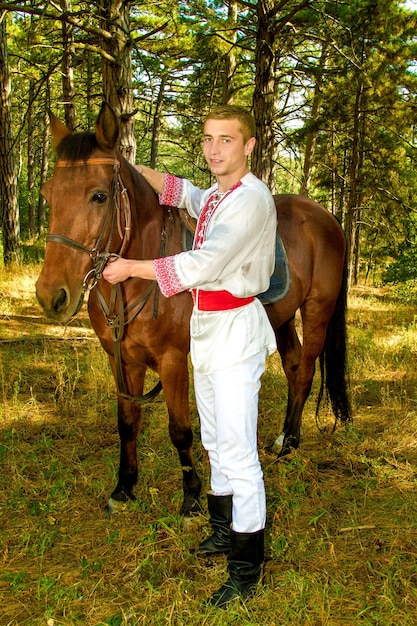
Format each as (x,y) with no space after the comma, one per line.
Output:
(128,423)
(299,363)
(289,348)
(174,377)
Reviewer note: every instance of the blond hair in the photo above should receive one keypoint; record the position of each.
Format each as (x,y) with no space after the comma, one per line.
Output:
(232,112)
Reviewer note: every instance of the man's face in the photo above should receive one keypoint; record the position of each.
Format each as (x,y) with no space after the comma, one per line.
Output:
(224,147)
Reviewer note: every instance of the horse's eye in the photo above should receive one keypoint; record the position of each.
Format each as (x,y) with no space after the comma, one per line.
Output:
(100,197)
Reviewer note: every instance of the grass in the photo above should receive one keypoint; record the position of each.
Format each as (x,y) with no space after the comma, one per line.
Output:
(342,514)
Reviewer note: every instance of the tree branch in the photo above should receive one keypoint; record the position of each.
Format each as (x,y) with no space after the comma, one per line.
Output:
(60,16)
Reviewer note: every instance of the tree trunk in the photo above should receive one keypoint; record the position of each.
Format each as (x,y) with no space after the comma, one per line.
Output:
(356,251)
(355,195)
(312,132)
(157,121)
(8,180)
(90,91)
(67,72)
(339,177)
(264,157)
(117,74)
(267,92)
(44,163)
(31,161)
(230,57)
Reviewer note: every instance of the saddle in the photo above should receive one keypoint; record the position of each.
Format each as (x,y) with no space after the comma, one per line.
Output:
(280,280)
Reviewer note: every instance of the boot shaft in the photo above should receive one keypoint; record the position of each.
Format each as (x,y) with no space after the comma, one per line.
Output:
(220,510)
(247,547)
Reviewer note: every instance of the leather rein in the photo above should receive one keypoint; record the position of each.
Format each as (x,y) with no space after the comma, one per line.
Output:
(117,317)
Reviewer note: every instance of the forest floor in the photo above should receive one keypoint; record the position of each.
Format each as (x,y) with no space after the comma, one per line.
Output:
(341,537)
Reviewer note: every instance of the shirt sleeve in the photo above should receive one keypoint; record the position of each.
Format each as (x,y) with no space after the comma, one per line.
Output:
(181,193)
(167,277)
(172,191)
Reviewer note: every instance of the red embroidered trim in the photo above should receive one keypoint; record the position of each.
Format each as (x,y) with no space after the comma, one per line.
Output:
(207,213)
(172,192)
(167,277)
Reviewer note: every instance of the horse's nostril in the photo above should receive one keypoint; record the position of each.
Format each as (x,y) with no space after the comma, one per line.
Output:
(60,301)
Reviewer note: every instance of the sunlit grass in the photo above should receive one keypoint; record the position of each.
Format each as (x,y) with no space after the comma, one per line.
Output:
(341,539)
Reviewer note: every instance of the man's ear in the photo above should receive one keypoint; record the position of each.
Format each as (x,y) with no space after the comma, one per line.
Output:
(249,146)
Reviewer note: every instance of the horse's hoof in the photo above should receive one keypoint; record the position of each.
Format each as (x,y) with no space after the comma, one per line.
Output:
(282,455)
(278,443)
(119,501)
(191,507)
(191,522)
(191,512)
(276,446)
(115,506)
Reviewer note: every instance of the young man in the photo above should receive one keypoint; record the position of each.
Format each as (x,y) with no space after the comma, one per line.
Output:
(231,262)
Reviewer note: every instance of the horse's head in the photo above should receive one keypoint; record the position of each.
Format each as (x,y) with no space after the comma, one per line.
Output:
(89,213)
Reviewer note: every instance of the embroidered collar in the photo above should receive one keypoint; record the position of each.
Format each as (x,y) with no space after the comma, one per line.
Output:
(215,198)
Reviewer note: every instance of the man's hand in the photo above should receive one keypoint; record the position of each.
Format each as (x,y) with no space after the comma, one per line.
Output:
(153,177)
(118,270)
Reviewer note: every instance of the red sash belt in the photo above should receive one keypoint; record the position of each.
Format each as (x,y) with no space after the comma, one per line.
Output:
(218,300)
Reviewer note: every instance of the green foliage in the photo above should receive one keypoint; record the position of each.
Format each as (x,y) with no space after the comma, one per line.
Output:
(404,267)
(32,250)
(344,79)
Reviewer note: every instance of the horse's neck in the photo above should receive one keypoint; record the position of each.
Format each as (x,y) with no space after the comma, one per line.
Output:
(149,220)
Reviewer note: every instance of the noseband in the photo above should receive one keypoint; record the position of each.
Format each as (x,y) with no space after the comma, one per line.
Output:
(119,206)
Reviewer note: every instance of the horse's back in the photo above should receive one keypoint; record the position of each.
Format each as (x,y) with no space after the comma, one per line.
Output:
(308,227)
(297,213)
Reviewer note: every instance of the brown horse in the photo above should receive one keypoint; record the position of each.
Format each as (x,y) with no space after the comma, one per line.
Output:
(99,205)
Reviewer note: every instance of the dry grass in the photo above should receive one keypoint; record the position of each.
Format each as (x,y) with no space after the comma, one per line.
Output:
(342,523)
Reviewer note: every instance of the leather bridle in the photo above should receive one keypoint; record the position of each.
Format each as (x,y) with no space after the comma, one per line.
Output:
(119,203)
(118,214)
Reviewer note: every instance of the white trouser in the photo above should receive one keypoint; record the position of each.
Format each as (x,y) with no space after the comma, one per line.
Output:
(227,402)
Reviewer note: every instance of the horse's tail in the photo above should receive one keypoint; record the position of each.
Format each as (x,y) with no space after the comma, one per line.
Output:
(333,359)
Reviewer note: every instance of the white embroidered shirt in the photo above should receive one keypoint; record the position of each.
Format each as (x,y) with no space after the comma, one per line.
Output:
(233,250)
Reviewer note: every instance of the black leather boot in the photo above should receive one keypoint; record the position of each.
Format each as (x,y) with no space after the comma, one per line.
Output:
(220,509)
(244,564)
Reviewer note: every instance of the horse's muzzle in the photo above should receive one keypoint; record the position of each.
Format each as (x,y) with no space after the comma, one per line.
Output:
(56,302)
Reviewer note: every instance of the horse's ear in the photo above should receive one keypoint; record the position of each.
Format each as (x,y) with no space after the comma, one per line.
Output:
(107,127)
(58,130)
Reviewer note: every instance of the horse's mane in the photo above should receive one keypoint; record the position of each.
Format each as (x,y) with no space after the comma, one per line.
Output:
(77,146)
(80,146)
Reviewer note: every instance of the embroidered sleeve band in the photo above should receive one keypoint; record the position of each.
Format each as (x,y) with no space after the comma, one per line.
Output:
(172,192)
(167,277)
